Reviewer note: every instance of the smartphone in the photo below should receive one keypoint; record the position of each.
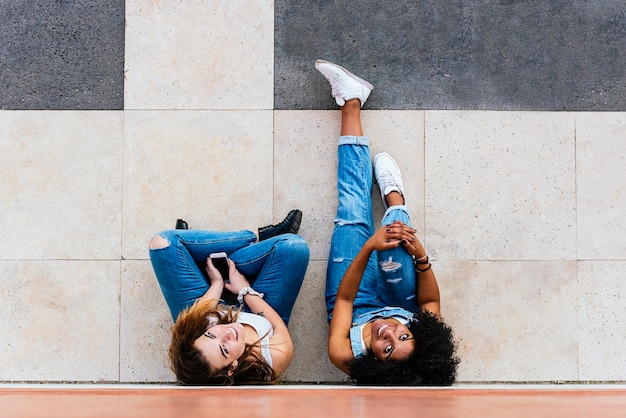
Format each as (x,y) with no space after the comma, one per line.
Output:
(220,261)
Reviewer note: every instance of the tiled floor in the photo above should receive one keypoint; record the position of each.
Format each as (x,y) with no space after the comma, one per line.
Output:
(522,212)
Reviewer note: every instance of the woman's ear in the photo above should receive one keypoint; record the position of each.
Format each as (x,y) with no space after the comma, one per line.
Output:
(233,366)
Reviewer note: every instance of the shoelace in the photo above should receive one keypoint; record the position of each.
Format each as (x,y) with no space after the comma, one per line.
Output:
(335,87)
(386,179)
(336,90)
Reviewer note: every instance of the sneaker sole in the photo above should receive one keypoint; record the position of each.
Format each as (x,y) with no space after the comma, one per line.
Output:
(351,75)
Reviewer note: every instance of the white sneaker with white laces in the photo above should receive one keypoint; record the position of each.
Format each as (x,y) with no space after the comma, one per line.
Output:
(343,83)
(388,176)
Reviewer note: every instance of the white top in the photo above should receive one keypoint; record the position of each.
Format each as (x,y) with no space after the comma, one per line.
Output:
(263,327)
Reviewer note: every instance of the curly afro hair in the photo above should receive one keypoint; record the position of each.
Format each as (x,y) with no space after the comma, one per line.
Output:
(433,362)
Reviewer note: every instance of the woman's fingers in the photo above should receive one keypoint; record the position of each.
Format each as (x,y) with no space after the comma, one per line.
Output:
(399,231)
(212,272)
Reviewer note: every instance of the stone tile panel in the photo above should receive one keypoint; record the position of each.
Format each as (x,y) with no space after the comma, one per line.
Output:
(500,185)
(199,55)
(61,184)
(514,321)
(60,321)
(601,185)
(211,168)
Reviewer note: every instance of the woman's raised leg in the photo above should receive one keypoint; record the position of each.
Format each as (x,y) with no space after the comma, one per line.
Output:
(354,223)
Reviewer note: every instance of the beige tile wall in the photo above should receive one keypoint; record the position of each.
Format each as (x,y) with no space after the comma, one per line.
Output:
(522,212)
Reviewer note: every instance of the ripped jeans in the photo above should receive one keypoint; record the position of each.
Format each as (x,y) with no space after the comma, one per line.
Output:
(389,279)
(275,266)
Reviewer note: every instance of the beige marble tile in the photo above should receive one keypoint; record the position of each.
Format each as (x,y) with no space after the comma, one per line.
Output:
(500,185)
(602,313)
(513,320)
(145,326)
(309,331)
(601,185)
(306,165)
(60,185)
(199,55)
(60,320)
(306,168)
(211,168)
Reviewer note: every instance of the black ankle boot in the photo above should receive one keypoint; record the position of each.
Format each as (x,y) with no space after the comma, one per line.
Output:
(181,224)
(289,225)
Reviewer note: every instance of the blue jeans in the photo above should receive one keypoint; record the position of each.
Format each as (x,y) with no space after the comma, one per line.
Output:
(389,278)
(275,267)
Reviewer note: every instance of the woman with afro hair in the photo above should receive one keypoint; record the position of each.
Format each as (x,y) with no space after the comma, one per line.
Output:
(382,296)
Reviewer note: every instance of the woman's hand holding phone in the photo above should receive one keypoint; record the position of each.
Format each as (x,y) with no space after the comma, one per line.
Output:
(216,279)
(237,280)
(220,262)
(222,271)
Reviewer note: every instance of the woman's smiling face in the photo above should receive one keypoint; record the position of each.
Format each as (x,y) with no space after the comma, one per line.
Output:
(222,345)
(390,340)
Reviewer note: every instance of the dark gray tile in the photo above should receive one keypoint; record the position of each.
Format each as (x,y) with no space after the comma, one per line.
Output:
(62,54)
(446,54)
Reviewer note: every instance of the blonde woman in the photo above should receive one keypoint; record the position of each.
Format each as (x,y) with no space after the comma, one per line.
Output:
(231,330)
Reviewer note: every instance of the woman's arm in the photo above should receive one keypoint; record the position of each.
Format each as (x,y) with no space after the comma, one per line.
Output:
(339,348)
(281,344)
(428,296)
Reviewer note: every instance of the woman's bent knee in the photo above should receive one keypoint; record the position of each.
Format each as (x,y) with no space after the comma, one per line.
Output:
(295,244)
(300,246)
(159,242)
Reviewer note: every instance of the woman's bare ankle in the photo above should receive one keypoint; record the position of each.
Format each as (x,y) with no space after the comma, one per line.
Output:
(394,199)
(351,118)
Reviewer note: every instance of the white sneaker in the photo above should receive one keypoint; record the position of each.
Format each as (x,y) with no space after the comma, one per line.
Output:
(344,84)
(388,176)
